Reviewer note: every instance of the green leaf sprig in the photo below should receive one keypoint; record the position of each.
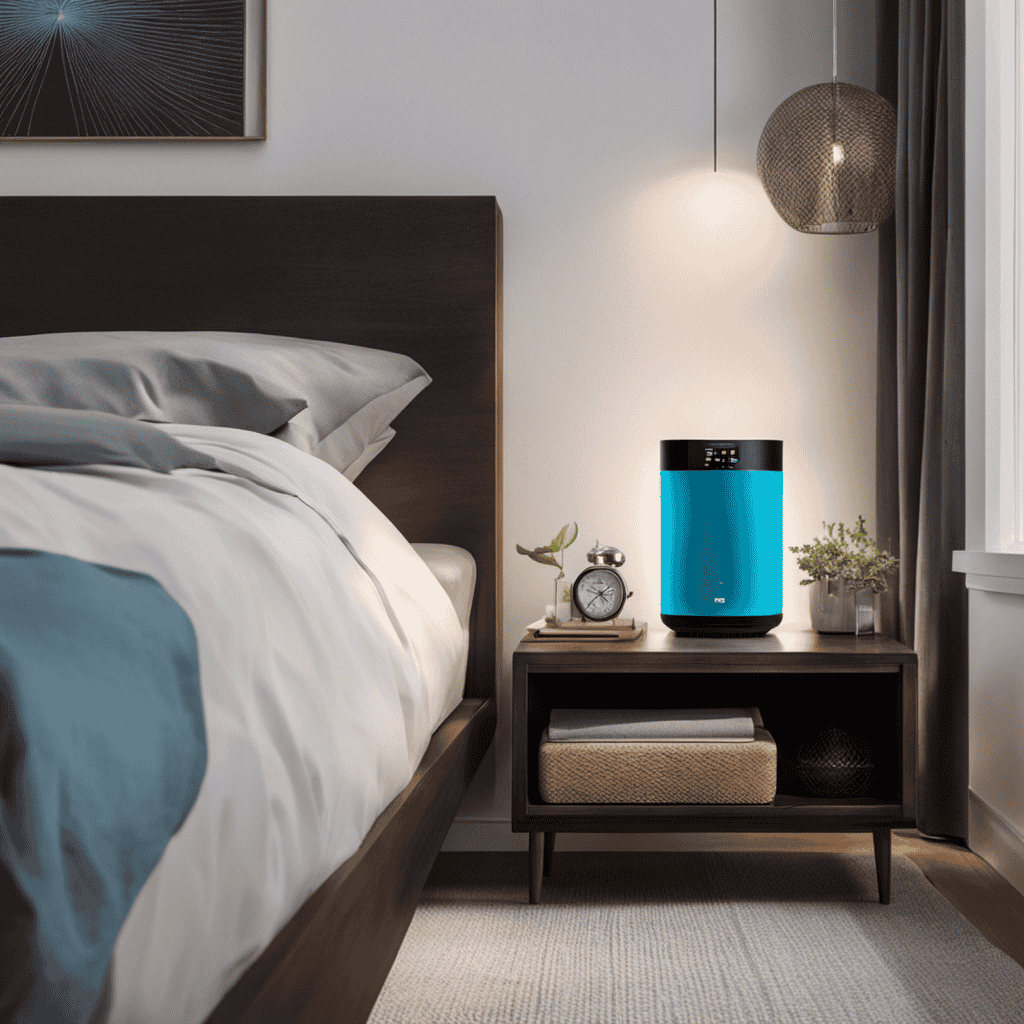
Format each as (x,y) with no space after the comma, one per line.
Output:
(546,555)
(851,555)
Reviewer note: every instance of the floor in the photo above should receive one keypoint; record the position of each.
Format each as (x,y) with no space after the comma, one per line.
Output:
(977,890)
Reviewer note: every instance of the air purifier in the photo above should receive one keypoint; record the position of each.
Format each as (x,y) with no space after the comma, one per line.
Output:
(721,537)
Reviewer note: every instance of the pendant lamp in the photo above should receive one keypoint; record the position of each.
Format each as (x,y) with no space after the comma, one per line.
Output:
(827,157)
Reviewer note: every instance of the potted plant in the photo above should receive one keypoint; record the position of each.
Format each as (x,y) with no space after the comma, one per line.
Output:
(842,569)
(546,556)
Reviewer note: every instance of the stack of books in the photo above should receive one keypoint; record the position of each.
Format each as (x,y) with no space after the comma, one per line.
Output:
(583,629)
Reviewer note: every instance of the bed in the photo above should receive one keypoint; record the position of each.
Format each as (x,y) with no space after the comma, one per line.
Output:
(412,275)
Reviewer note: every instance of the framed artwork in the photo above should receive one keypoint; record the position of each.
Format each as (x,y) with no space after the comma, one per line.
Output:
(132,69)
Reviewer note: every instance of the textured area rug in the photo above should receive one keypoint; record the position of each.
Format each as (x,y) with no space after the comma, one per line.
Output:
(706,937)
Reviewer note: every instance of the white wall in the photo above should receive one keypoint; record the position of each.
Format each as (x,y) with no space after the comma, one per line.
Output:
(645,296)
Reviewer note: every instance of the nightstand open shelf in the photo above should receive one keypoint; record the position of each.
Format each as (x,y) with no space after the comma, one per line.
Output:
(801,681)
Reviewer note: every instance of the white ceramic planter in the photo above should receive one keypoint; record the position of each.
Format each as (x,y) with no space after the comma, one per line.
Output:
(837,608)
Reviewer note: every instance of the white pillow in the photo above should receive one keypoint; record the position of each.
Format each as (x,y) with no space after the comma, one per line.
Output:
(351,447)
(372,451)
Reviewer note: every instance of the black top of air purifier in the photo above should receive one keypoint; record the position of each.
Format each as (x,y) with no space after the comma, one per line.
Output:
(748,455)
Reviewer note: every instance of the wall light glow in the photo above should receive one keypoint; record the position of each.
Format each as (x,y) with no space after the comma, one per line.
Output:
(715,228)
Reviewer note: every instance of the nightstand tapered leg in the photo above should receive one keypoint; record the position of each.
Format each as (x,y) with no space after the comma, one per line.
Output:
(883,863)
(536,864)
(549,849)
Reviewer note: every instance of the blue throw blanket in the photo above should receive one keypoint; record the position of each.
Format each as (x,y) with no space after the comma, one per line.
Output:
(102,752)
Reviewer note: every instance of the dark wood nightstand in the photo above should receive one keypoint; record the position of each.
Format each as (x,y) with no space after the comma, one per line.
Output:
(801,681)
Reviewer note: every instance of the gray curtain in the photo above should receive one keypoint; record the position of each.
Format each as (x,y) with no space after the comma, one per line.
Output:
(920,412)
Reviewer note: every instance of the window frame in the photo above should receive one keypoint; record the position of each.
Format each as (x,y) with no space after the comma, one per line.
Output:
(995,269)
(1003,307)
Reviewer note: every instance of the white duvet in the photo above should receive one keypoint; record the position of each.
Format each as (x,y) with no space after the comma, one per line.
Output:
(328,654)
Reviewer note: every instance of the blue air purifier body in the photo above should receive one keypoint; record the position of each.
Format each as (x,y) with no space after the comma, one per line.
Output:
(721,537)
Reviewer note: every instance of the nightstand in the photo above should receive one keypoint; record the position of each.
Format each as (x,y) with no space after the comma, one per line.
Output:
(801,681)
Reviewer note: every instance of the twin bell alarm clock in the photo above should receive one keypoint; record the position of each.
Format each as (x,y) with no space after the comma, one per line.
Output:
(599,592)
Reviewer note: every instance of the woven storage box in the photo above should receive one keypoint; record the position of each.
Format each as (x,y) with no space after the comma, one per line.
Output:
(705,772)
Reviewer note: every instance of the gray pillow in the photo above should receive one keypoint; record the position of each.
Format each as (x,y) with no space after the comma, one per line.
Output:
(144,376)
(305,392)
(38,436)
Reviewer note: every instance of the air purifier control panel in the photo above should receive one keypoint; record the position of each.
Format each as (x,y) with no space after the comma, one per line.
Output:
(718,455)
(721,456)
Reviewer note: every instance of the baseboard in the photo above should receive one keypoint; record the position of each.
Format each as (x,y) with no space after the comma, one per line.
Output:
(994,838)
(494,836)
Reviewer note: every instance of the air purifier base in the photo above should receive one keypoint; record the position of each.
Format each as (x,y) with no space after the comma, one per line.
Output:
(721,626)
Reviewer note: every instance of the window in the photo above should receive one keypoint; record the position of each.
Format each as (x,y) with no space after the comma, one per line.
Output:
(994,278)
(1004,277)
(1012,514)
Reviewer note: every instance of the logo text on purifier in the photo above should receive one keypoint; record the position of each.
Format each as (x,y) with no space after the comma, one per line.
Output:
(719,600)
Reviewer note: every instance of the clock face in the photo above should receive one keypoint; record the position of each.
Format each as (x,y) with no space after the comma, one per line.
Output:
(599,593)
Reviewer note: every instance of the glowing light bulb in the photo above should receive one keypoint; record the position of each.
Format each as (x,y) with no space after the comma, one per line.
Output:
(838,156)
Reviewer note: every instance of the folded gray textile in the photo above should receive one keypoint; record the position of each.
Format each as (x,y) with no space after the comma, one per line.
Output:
(38,436)
(610,725)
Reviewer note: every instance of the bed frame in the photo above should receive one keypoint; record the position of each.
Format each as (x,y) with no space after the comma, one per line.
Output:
(409,274)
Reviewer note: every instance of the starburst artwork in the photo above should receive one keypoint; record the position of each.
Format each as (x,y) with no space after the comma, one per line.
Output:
(122,68)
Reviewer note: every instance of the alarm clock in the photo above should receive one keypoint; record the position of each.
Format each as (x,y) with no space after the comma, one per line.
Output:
(599,592)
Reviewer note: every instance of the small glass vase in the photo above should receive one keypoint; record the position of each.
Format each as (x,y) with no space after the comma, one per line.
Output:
(838,608)
(561,612)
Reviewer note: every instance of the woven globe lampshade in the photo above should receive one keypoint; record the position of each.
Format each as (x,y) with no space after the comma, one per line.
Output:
(827,159)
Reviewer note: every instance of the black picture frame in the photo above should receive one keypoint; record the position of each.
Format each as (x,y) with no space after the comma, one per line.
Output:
(152,70)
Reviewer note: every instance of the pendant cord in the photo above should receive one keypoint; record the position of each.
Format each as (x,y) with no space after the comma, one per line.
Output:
(832,112)
(836,216)
(715,87)
(833,42)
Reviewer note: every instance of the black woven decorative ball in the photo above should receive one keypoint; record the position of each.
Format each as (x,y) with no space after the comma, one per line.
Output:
(836,763)
(827,159)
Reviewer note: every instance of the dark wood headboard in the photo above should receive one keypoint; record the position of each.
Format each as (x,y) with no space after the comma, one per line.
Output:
(419,275)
